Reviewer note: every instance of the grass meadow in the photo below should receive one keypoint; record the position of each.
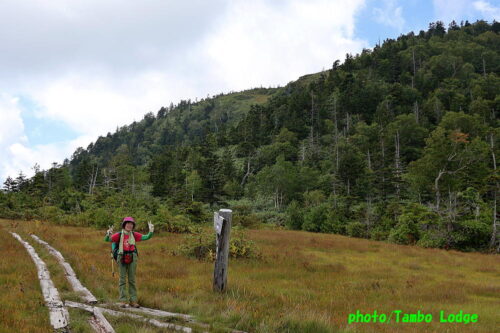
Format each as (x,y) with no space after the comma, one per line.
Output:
(305,282)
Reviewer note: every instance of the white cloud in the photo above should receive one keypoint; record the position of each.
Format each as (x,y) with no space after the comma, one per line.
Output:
(489,11)
(458,10)
(96,105)
(11,131)
(11,123)
(96,65)
(448,10)
(391,15)
(21,157)
(16,154)
(260,44)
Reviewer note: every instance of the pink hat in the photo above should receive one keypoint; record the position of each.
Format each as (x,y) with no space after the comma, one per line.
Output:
(127,219)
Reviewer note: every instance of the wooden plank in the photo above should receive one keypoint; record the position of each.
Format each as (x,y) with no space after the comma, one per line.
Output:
(156,312)
(115,313)
(70,273)
(59,316)
(165,314)
(222,249)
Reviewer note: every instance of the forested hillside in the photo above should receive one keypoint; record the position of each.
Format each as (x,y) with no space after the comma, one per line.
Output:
(397,143)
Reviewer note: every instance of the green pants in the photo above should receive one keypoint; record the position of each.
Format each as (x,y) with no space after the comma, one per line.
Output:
(127,271)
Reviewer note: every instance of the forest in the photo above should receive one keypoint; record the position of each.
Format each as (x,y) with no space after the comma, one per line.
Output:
(398,143)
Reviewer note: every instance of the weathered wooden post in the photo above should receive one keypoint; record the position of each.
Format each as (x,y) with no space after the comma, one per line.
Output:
(222,226)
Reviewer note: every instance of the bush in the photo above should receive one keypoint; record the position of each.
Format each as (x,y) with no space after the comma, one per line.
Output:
(472,234)
(412,218)
(295,216)
(314,198)
(431,239)
(100,217)
(164,220)
(315,219)
(80,220)
(247,221)
(379,234)
(202,246)
(196,212)
(405,232)
(356,229)
(51,213)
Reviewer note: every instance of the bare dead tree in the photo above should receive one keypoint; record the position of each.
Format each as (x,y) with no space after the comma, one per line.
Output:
(414,67)
(369,160)
(312,121)
(416,111)
(495,190)
(461,165)
(437,110)
(248,172)
(92,179)
(397,163)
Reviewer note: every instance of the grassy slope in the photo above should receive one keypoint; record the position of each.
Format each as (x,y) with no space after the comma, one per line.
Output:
(308,282)
(236,105)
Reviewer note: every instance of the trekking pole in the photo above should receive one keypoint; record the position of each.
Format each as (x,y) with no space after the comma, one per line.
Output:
(108,233)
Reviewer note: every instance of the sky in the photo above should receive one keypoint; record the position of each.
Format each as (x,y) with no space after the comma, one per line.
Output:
(72,71)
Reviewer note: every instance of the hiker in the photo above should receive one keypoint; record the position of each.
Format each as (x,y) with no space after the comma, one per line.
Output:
(125,253)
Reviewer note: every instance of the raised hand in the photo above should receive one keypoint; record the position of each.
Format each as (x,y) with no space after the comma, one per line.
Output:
(109,231)
(151,226)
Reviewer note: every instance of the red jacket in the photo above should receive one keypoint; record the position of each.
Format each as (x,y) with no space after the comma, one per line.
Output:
(115,238)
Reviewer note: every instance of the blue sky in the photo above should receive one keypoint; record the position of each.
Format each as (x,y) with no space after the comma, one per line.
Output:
(40,130)
(72,71)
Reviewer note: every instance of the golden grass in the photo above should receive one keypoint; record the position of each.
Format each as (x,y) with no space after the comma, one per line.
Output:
(307,282)
(21,302)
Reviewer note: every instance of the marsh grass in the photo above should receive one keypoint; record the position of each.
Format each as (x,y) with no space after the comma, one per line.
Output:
(305,282)
(22,306)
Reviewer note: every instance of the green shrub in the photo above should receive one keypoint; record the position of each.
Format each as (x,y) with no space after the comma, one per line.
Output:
(202,246)
(316,219)
(51,213)
(165,220)
(405,232)
(295,216)
(247,221)
(271,217)
(413,218)
(379,234)
(356,229)
(472,234)
(314,198)
(196,212)
(100,217)
(431,239)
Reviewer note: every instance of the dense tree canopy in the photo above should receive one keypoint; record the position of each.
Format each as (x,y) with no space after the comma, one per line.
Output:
(397,143)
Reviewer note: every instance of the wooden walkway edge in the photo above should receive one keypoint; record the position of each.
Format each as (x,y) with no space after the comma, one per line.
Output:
(59,316)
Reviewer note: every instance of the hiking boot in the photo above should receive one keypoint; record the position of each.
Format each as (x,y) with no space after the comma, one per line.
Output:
(123,305)
(135,305)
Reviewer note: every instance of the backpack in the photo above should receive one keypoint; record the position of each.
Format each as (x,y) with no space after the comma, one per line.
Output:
(114,251)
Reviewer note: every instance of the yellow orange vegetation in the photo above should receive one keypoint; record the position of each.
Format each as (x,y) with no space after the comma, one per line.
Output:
(22,306)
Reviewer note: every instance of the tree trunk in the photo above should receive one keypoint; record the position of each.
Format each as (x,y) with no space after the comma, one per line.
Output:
(398,164)
(495,191)
(436,188)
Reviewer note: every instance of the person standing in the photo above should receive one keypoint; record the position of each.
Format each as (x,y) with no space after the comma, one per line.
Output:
(126,258)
